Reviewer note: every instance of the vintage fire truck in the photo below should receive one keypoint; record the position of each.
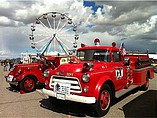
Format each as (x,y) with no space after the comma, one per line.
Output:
(97,76)
(27,76)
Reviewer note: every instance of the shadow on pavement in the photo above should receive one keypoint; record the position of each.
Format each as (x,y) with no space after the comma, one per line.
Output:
(12,89)
(68,108)
(144,105)
(17,89)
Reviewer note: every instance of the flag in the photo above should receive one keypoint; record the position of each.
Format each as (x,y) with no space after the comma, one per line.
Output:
(122,49)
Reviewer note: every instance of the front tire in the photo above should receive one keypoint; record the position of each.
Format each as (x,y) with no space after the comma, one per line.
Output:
(102,105)
(28,84)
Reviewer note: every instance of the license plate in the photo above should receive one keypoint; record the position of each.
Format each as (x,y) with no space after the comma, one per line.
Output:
(10,78)
(60,96)
(62,88)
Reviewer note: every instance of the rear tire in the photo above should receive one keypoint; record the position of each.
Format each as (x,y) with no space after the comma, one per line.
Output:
(28,84)
(102,105)
(146,85)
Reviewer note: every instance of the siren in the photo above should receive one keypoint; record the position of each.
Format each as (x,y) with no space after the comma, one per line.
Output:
(113,44)
(97,41)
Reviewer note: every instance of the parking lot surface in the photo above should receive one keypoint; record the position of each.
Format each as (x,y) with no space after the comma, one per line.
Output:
(36,105)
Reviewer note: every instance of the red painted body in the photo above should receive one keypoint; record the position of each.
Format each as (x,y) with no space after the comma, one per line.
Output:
(33,71)
(22,70)
(112,73)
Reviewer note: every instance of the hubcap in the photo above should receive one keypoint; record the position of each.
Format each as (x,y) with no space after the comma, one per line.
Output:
(104,100)
(29,84)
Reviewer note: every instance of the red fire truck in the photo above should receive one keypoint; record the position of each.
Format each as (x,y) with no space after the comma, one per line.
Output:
(97,76)
(26,76)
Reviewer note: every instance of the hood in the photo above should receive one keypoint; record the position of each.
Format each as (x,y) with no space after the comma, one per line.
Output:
(77,67)
(70,67)
(30,65)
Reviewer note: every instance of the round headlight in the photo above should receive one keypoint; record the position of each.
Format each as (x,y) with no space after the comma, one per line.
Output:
(85,77)
(46,73)
(46,82)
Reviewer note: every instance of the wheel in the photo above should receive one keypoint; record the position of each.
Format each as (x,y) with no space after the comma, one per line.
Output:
(52,32)
(102,105)
(146,85)
(28,84)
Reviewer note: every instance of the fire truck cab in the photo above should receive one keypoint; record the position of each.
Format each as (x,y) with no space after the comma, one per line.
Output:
(97,76)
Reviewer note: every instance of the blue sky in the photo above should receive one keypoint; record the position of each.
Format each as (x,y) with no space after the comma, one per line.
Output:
(93,5)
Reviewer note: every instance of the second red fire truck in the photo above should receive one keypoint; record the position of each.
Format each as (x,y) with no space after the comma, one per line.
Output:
(26,77)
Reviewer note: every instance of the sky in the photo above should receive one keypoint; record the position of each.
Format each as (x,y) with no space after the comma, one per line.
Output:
(131,22)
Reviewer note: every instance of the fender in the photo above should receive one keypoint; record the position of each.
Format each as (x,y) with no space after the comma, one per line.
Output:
(52,71)
(100,83)
(39,77)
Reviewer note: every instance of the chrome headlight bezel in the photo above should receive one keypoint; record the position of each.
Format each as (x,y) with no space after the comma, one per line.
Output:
(85,78)
(46,73)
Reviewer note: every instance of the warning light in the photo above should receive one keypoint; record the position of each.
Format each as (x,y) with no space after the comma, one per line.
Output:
(114,44)
(97,41)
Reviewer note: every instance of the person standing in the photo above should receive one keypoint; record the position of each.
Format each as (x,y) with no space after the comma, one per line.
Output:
(11,64)
(5,65)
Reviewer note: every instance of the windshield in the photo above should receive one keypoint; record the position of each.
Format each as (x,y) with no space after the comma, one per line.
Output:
(96,55)
(35,60)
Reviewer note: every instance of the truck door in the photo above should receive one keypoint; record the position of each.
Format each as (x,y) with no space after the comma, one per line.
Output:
(118,70)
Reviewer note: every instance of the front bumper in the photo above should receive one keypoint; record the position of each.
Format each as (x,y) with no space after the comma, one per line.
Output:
(75,98)
(9,80)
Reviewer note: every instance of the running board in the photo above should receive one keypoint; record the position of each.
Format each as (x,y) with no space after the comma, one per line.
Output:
(124,91)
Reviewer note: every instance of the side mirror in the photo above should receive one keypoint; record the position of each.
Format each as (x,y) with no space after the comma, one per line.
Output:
(126,61)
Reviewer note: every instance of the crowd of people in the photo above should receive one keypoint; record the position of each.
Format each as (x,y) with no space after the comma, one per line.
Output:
(7,65)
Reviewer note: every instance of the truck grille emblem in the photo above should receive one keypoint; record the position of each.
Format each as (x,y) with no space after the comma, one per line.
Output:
(57,87)
(62,72)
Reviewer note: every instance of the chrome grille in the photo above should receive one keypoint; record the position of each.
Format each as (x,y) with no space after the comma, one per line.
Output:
(75,85)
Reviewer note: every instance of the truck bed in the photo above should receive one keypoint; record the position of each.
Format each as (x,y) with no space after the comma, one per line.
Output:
(139,61)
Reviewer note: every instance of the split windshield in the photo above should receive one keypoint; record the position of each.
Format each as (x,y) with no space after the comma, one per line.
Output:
(94,55)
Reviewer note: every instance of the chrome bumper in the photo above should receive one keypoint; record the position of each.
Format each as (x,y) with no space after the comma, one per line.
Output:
(75,98)
(11,82)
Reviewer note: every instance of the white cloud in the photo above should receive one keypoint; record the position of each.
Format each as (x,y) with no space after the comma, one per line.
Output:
(4,20)
(4,4)
(138,29)
(116,20)
(105,38)
(2,52)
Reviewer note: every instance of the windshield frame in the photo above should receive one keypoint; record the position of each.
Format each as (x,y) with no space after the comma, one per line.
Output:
(102,55)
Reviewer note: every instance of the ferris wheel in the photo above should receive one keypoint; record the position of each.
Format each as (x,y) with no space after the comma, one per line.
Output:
(53,32)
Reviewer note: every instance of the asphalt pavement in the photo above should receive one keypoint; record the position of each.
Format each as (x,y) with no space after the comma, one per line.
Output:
(36,105)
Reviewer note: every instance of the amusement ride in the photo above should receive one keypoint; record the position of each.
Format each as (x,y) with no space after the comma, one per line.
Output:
(52,33)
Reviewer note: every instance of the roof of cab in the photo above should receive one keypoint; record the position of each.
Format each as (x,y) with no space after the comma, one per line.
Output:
(98,47)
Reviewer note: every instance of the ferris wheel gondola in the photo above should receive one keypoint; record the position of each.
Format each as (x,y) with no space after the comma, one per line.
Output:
(53,32)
